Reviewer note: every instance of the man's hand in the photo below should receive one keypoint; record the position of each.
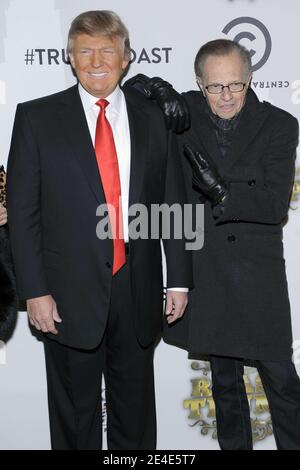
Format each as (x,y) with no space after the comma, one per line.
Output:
(3,215)
(206,178)
(175,305)
(172,103)
(42,313)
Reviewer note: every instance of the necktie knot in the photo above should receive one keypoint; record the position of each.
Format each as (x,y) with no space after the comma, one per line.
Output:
(102,104)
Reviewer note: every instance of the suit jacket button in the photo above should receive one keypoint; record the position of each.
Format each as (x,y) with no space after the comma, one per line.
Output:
(231,238)
(252,183)
(108,265)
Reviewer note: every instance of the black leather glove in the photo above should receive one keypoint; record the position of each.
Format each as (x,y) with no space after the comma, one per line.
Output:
(205,177)
(138,82)
(172,104)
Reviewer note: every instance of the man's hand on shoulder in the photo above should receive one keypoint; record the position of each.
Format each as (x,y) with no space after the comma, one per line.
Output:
(171,103)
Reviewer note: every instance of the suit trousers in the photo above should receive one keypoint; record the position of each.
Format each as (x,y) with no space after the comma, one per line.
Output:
(282,387)
(74,384)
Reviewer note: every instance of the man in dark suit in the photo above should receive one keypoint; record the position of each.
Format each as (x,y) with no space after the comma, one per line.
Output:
(98,299)
(240,155)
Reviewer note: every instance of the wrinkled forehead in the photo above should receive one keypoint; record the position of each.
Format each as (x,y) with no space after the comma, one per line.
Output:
(224,68)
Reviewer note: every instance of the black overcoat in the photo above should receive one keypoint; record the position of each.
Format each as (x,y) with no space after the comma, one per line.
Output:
(240,306)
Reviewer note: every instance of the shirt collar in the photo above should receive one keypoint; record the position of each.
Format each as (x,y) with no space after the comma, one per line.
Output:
(88,100)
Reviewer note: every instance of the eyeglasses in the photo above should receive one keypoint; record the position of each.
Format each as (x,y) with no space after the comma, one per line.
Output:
(217,88)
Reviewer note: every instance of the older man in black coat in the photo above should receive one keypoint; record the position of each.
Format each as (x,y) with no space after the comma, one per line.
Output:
(240,155)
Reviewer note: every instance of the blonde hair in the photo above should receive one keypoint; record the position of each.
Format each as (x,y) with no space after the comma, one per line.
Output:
(97,23)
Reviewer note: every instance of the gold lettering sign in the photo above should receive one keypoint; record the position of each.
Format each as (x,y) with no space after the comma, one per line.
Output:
(296,188)
(202,410)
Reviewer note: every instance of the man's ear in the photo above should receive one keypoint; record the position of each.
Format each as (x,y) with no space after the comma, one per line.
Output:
(200,85)
(71,59)
(125,63)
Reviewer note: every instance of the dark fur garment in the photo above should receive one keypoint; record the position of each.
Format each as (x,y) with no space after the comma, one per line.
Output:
(8,293)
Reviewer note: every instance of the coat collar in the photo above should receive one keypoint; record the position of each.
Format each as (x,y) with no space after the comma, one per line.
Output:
(253,116)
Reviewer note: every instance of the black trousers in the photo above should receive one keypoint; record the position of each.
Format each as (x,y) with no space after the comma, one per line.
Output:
(74,384)
(282,388)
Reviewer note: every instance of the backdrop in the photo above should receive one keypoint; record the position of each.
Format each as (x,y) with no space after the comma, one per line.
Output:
(165,36)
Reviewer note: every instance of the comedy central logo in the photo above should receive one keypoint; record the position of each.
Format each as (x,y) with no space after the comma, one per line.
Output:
(201,406)
(255,32)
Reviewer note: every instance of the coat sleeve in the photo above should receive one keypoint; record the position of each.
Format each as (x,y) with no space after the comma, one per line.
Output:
(178,259)
(23,203)
(267,202)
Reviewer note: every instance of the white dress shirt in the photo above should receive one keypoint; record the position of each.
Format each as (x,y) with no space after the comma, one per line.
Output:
(116,113)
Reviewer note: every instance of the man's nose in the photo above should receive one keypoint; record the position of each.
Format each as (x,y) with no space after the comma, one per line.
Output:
(97,59)
(226,93)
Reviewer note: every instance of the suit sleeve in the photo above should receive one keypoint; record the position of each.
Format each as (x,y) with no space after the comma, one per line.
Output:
(267,202)
(23,203)
(179,260)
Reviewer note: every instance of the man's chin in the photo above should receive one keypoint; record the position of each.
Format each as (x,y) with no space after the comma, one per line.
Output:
(98,92)
(227,113)
(227,116)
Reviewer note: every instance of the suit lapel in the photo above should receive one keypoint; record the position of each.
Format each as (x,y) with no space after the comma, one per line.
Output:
(139,141)
(78,134)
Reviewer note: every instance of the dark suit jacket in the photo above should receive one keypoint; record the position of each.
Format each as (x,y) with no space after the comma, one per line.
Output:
(54,190)
(239,306)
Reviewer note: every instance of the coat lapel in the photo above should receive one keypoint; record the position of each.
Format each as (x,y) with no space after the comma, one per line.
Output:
(77,132)
(202,136)
(251,121)
(207,137)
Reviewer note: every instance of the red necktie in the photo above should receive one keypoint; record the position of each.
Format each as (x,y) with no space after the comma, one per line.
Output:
(107,160)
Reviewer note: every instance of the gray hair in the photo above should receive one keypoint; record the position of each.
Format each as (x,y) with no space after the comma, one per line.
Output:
(221,47)
(98,23)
